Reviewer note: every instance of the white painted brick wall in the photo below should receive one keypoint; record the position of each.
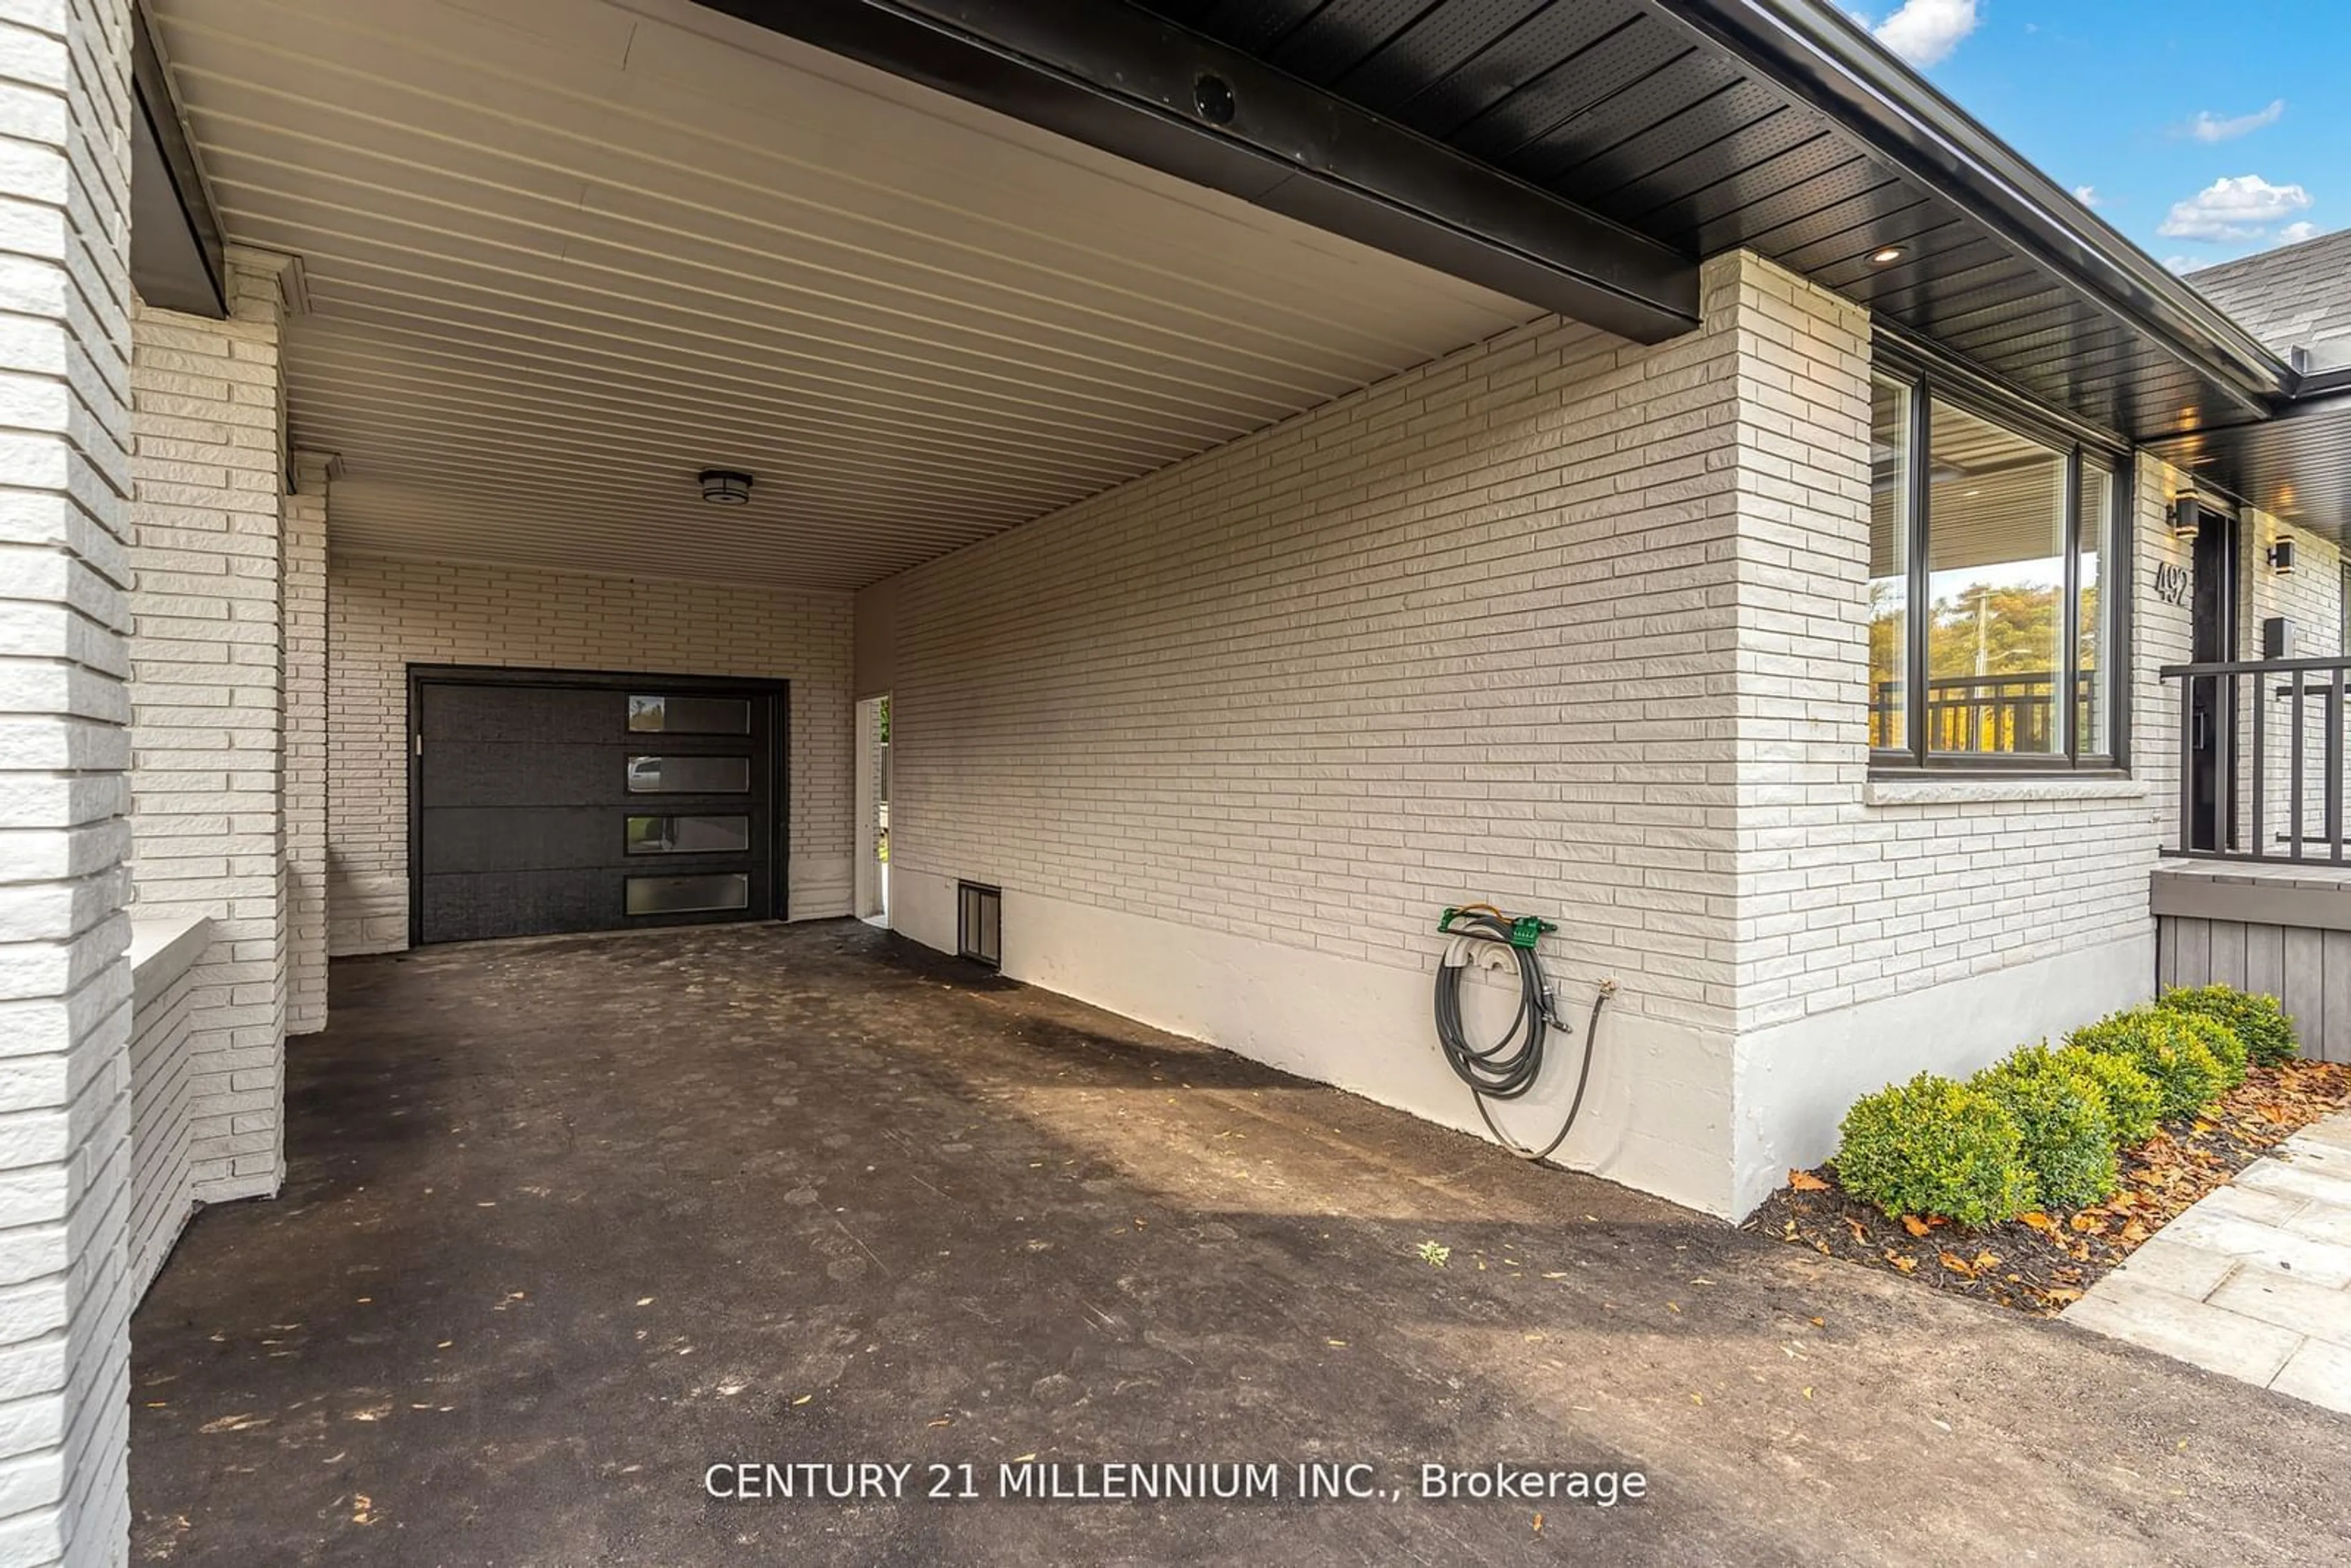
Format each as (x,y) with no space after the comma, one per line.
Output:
(2311,596)
(385,615)
(207,695)
(65,984)
(1851,894)
(1554,623)
(306,742)
(1488,630)
(1463,636)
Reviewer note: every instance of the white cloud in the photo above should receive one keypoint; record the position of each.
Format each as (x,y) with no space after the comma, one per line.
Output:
(2086,194)
(2185,264)
(2239,208)
(2294,233)
(2209,126)
(1925,32)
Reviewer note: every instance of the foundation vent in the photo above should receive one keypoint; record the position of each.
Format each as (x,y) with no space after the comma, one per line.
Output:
(980,923)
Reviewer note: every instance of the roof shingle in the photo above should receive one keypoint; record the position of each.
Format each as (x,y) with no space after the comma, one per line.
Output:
(2297,295)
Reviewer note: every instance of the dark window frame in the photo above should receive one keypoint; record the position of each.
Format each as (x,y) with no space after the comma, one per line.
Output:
(1930,383)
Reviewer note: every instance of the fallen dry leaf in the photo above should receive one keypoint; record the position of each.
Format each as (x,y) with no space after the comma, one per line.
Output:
(1913,1225)
(235,1424)
(1805,1181)
(2037,1220)
(1958,1265)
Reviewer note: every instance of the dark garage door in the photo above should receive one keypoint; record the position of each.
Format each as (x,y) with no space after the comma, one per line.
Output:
(546,803)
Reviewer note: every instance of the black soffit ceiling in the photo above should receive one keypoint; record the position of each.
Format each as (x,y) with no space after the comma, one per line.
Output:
(2296,466)
(1687,121)
(1630,138)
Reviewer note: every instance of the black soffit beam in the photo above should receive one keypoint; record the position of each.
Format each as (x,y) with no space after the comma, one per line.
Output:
(178,260)
(1814,52)
(1120,79)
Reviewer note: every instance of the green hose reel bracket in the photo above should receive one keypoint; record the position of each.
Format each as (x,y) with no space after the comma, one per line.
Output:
(1526,930)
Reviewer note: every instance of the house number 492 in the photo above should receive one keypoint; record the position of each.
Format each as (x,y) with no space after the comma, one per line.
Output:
(2170,582)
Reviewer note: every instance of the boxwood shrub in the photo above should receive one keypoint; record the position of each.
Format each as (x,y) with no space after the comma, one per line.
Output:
(1932,1146)
(2218,1039)
(2065,1137)
(2134,1103)
(2186,1074)
(2260,1023)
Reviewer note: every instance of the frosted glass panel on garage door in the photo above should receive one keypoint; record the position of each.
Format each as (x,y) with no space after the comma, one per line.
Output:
(690,715)
(689,775)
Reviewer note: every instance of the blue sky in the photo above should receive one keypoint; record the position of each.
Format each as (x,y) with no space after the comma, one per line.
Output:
(2203,128)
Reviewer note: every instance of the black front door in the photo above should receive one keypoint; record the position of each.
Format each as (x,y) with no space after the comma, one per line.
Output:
(2213,699)
(543,803)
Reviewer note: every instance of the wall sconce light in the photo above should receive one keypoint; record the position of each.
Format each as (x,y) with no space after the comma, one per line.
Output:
(2187,514)
(2280,557)
(725,487)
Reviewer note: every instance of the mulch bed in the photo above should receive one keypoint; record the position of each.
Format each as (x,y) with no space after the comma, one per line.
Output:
(2039,1262)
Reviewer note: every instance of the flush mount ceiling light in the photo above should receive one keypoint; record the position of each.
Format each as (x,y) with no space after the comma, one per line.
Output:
(1888,256)
(725,487)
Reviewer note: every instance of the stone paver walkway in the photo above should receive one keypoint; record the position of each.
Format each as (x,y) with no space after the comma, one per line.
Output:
(2254,1282)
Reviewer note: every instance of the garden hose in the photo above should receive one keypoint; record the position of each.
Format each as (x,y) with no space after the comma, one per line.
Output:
(1512,1065)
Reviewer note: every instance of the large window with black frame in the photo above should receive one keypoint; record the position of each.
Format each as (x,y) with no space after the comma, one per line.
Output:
(1991,609)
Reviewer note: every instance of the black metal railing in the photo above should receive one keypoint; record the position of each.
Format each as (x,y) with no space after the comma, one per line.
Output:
(2261,758)
(1972,715)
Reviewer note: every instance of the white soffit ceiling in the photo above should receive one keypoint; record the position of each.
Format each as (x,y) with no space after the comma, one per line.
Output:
(563,254)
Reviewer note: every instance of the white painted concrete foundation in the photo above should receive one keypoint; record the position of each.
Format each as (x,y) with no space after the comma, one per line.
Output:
(1796,1081)
(1659,1090)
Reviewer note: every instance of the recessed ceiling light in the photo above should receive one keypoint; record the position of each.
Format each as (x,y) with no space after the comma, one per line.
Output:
(1890,254)
(725,487)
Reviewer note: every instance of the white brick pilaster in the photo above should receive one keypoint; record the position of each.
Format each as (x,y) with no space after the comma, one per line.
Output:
(208,696)
(306,739)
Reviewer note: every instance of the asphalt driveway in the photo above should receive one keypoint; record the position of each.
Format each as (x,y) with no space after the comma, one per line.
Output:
(572,1221)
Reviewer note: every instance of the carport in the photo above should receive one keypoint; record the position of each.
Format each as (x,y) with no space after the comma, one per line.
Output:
(1291,471)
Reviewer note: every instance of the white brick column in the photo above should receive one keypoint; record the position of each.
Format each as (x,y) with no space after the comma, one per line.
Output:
(208,693)
(65,984)
(1884,925)
(305,740)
